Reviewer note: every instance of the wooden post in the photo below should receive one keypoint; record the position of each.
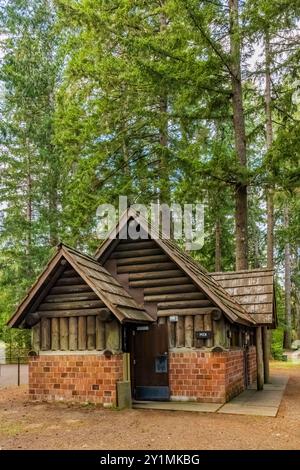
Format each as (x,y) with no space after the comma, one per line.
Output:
(100,334)
(180,332)
(73,334)
(207,321)
(198,326)
(219,332)
(112,335)
(188,331)
(266,353)
(54,334)
(64,333)
(36,337)
(81,333)
(259,359)
(45,334)
(126,367)
(91,333)
(171,333)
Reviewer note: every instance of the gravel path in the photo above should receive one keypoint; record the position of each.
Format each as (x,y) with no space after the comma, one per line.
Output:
(24,425)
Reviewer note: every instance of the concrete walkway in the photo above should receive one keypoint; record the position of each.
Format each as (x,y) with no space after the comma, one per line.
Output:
(260,403)
(249,402)
(177,406)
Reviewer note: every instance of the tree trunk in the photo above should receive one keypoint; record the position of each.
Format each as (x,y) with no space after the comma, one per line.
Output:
(287,285)
(297,312)
(53,209)
(241,207)
(28,237)
(163,181)
(218,249)
(270,229)
(28,208)
(269,140)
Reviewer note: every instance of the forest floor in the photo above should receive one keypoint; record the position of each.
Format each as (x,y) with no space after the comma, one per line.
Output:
(25,425)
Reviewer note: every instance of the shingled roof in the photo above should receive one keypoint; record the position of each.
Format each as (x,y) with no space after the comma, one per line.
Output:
(253,289)
(200,276)
(108,289)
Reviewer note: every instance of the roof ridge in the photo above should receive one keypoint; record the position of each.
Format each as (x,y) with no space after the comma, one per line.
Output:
(70,248)
(194,269)
(241,271)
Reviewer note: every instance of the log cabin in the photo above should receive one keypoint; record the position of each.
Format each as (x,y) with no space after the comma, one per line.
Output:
(142,320)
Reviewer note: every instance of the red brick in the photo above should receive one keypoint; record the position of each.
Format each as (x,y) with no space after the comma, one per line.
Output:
(74,378)
(206,376)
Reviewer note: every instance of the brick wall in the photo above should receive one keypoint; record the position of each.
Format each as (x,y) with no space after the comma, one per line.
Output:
(252,366)
(206,376)
(81,378)
(234,378)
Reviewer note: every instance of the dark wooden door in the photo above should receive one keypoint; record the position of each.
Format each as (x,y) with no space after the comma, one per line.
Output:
(149,362)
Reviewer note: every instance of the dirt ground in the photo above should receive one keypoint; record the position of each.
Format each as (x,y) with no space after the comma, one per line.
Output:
(25,425)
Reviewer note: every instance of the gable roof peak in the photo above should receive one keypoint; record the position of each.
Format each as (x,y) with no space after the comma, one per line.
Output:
(199,275)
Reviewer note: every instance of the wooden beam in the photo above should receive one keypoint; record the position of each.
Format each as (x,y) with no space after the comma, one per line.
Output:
(36,337)
(185,311)
(170,289)
(179,332)
(177,304)
(188,331)
(58,298)
(207,323)
(100,334)
(136,253)
(69,281)
(219,332)
(104,312)
(77,305)
(112,335)
(73,334)
(132,246)
(139,268)
(170,297)
(82,333)
(259,359)
(64,333)
(171,333)
(156,275)
(54,334)
(70,289)
(266,353)
(198,326)
(91,332)
(159,282)
(45,334)
(142,260)
(69,273)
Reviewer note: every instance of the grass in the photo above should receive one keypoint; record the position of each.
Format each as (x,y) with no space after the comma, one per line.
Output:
(284,365)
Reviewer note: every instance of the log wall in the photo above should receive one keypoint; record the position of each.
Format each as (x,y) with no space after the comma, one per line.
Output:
(76,334)
(151,277)
(72,318)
